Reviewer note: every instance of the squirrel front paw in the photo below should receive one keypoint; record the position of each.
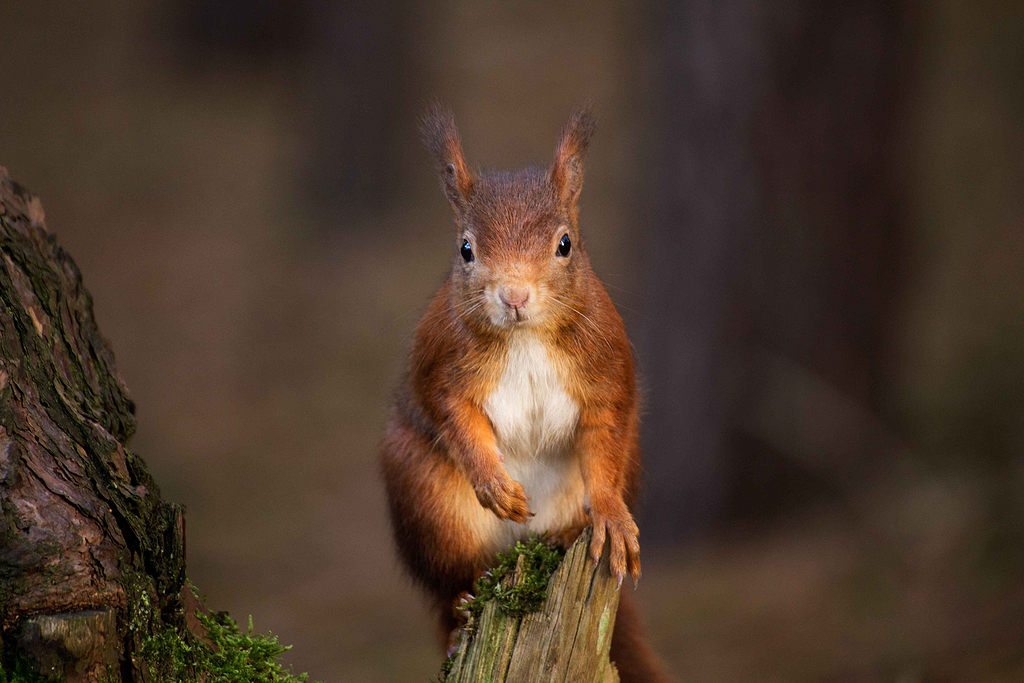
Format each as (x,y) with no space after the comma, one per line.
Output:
(618,527)
(504,496)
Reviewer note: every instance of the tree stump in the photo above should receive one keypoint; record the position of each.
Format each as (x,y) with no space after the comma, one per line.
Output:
(91,558)
(566,640)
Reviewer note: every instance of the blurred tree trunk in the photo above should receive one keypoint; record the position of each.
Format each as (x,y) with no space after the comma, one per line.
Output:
(776,247)
(359,78)
(354,73)
(91,559)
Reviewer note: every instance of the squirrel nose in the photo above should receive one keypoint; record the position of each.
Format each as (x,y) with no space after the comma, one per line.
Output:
(515,297)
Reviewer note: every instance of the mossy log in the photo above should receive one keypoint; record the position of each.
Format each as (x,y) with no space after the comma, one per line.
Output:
(92,560)
(566,640)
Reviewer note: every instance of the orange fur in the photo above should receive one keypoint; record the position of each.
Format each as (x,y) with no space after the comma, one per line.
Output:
(542,387)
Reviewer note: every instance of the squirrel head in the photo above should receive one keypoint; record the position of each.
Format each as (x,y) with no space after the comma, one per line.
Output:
(518,259)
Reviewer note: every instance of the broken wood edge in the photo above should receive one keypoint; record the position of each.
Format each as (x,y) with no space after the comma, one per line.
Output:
(567,639)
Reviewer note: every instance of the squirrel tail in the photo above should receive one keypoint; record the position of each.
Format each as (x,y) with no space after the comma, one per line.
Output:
(635,661)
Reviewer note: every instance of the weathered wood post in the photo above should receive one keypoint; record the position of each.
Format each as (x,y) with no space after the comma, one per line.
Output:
(566,640)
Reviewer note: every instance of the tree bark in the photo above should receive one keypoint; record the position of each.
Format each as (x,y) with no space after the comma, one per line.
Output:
(568,639)
(92,559)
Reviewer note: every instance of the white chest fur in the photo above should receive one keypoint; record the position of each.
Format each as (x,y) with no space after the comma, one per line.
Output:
(531,412)
(534,420)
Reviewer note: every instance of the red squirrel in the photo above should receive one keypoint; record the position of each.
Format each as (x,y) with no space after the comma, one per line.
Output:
(518,411)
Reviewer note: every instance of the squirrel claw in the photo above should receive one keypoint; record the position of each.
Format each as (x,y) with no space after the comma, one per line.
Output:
(623,547)
(460,606)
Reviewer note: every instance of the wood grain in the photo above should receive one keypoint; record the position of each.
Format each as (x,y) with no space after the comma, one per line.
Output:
(568,639)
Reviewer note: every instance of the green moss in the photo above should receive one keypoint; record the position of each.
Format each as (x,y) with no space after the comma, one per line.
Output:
(230,655)
(446,668)
(138,588)
(540,562)
(19,669)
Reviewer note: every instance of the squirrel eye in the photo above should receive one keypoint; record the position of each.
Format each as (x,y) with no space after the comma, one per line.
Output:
(466,251)
(564,245)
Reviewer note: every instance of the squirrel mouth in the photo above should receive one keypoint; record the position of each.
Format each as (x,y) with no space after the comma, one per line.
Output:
(514,320)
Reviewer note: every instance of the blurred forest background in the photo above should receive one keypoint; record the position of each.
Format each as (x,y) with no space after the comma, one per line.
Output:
(810,215)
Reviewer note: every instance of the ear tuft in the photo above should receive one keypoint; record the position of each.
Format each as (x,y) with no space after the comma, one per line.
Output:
(442,140)
(567,171)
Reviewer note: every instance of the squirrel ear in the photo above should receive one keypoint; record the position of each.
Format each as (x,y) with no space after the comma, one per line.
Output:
(567,171)
(442,140)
